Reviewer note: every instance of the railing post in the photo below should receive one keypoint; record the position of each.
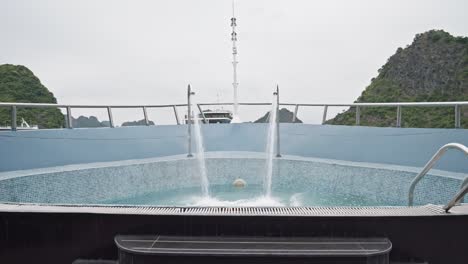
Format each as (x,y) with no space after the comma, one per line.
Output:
(398,120)
(69,118)
(295,113)
(457,116)
(13,118)
(176,114)
(111,119)
(324,117)
(358,116)
(189,121)
(202,114)
(145,114)
(278,151)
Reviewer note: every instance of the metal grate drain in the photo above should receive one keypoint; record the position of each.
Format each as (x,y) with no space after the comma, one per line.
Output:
(425,210)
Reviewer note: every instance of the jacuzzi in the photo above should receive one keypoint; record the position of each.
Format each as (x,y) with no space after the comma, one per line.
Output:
(175,181)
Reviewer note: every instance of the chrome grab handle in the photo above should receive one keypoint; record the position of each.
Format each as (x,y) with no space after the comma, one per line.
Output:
(457,198)
(430,164)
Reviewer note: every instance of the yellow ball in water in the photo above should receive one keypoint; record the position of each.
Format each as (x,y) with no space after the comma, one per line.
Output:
(239,183)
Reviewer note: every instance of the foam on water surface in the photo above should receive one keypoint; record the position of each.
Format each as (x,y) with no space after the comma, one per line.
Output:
(228,196)
(262,201)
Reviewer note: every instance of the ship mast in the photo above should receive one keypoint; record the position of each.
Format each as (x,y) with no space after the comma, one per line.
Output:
(235,84)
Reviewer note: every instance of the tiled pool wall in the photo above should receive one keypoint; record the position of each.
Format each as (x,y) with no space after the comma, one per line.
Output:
(383,186)
(98,184)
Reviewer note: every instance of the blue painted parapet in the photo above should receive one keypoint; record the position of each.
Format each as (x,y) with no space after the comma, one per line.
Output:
(397,146)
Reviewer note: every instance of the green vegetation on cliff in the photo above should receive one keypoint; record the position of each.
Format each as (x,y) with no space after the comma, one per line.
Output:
(18,84)
(433,68)
(285,116)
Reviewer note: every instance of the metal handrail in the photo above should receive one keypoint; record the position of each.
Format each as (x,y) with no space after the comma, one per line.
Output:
(457,198)
(430,164)
(392,104)
(40,105)
(464,183)
(457,109)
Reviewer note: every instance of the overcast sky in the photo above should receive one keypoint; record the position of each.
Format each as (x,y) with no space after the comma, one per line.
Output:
(146,52)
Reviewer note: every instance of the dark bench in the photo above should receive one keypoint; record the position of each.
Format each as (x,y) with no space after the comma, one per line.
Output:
(241,250)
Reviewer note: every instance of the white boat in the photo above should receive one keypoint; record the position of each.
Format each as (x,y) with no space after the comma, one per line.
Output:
(216,116)
(219,116)
(24,126)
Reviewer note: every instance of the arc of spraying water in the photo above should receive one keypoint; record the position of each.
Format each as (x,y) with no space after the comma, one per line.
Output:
(272,143)
(200,155)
